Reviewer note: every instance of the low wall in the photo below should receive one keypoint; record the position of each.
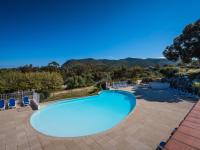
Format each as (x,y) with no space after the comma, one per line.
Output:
(159,85)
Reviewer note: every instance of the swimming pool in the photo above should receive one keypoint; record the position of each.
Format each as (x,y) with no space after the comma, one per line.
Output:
(84,116)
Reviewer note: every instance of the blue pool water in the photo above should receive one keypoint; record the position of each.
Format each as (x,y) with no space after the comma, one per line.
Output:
(84,116)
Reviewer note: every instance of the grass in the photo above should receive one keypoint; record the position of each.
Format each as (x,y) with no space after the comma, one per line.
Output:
(72,93)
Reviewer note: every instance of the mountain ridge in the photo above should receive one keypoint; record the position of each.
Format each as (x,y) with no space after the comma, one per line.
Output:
(112,63)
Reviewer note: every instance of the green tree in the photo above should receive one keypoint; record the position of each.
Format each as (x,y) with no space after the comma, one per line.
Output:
(81,81)
(120,73)
(186,46)
(54,64)
(11,81)
(2,84)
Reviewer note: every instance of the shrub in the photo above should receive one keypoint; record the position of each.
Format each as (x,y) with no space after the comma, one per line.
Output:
(147,80)
(169,71)
(101,85)
(11,81)
(196,86)
(44,95)
(129,82)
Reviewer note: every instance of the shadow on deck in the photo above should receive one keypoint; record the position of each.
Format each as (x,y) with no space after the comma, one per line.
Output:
(166,95)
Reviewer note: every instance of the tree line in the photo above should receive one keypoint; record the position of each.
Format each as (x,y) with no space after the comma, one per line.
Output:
(54,77)
(11,81)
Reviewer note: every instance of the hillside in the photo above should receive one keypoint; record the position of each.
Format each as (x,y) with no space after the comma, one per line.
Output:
(108,64)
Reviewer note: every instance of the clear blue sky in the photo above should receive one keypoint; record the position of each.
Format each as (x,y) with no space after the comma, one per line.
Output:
(39,31)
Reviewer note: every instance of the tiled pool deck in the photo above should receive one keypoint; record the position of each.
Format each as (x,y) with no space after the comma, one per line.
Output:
(151,122)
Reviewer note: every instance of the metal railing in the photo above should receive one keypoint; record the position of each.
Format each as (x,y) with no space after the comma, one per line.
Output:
(17,95)
(35,97)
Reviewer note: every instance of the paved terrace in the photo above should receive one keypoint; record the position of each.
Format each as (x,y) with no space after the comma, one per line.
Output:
(187,135)
(155,116)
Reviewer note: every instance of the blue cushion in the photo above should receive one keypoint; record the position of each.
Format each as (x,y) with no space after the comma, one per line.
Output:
(12,102)
(26,100)
(2,103)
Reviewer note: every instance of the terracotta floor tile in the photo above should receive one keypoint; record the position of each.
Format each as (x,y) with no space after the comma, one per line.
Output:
(194,120)
(191,125)
(189,131)
(194,115)
(176,145)
(188,140)
(196,110)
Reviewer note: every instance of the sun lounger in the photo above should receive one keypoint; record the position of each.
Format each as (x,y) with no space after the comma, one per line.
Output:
(2,105)
(161,145)
(11,103)
(26,101)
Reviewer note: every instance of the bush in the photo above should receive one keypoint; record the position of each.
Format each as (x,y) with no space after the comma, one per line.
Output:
(196,86)
(129,82)
(11,81)
(134,80)
(101,85)
(169,71)
(79,81)
(147,80)
(44,95)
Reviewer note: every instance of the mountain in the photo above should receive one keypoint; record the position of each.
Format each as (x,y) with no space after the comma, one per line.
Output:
(107,63)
